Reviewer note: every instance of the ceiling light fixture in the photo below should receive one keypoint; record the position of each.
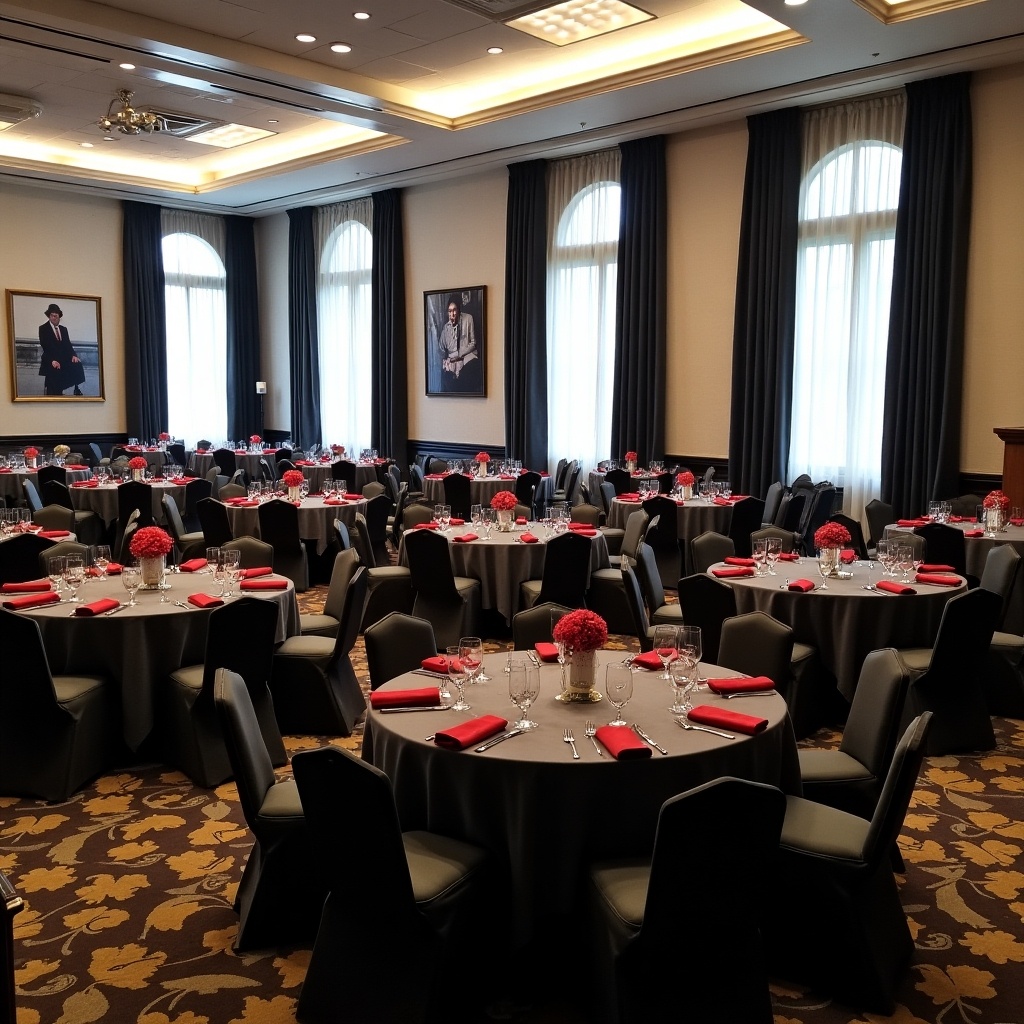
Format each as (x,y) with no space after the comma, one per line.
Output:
(15,109)
(127,120)
(361,16)
(305,37)
(341,48)
(126,67)
(495,49)
(571,21)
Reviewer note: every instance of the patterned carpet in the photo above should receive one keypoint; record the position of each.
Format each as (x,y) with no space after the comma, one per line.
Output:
(129,887)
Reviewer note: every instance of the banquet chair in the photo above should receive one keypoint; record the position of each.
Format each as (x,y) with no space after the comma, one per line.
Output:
(663,538)
(240,638)
(393,481)
(253,553)
(280,895)
(389,587)
(341,535)
(589,515)
(756,644)
(791,511)
(213,518)
(642,628)
(195,491)
(659,611)
(62,547)
(415,480)
(88,526)
(534,625)
(708,548)
(561,468)
(706,603)
(279,527)
(178,454)
(394,521)
(225,461)
(282,454)
(313,684)
(55,517)
(1004,676)
(903,535)
(376,515)
(787,538)
(584,492)
(944,544)
(397,644)
(19,557)
(822,498)
(133,496)
(620,480)
(607,495)
(416,512)
(946,679)
(435,466)
(835,866)
(327,622)
(186,545)
(525,489)
(98,458)
(230,490)
(457,494)
(1002,564)
(747,516)
(568,492)
(414,897)
(709,475)
(450,603)
(772,501)
(44,474)
(266,472)
(344,469)
(857,542)
(123,554)
(216,480)
(965,505)
(57,731)
(879,515)
(284,466)
(637,906)
(375,489)
(629,540)
(565,575)
(32,499)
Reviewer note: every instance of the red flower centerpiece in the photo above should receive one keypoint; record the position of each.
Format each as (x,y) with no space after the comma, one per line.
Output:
(31,454)
(255,439)
(631,462)
(505,502)
(292,479)
(137,464)
(685,482)
(830,540)
(997,511)
(164,436)
(996,499)
(582,632)
(338,449)
(482,458)
(150,546)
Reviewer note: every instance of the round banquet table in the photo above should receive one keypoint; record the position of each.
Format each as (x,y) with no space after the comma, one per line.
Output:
(10,481)
(845,622)
(155,457)
(541,815)
(315,473)
(138,646)
(102,498)
(503,562)
(316,519)
(481,489)
(596,477)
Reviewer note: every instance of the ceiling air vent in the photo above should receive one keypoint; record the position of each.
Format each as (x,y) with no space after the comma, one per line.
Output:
(184,125)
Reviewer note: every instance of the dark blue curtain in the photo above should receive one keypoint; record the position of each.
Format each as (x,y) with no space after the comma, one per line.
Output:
(243,328)
(763,334)
(145,324)
(303,336)
(638,408)
(389,431)
(924,366)
(526,372)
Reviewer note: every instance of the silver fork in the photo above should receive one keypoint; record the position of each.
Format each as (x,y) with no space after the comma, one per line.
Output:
(591,730)
(572,743)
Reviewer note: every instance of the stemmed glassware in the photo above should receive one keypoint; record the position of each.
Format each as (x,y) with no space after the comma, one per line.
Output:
(618,687)
(665,647)
(55,571)
(490,517)
(231,559)
(74,575)
(101,558)
(906,560)
(457,674)
(684,679)
(471,650)
(476,515)
(131,580)
(523,690)
(824,567)
(773,548)
(760,556)
(691,647)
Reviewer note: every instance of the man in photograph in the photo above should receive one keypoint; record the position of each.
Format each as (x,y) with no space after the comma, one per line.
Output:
(59,365)
(460,362)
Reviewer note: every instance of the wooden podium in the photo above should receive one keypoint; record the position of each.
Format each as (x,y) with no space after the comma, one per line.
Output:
(1013,462)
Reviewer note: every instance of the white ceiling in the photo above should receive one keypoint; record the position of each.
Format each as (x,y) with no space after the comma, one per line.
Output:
(418,97)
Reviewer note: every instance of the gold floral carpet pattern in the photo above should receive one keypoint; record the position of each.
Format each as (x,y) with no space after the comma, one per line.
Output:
(128,891)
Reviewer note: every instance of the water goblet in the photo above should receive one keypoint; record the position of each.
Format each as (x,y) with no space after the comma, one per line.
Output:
(618,687)
(55,571)
(773,548)
(101,558)
(523,690)
(691,645)
(906,560)
(457,674)
(212,558)
(74,575)
(438,512)
(476,514)
(684,678)
(131,580)
(760,556)
(825,566)
(445,518)
(471,653)
(490,517)
(665,647)
(231,559)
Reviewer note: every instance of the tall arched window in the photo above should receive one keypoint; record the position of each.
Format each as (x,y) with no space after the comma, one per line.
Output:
(848,205)
(583,197)
(195,291)
(345,243)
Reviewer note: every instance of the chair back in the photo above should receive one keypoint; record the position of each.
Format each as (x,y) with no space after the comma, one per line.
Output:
(284,466)
(772,501)
(747,516)
(791,512)
(585,513)
(351,617)
(857,541)
(279,527)
(561,468)
(787,537)
(526,488)
(757,645)
(62,547)
(1002,564)
(395,531)
(280,455)
(879,515)
(607,495)
(633,535)
(572,478)
(416,512)
(240,638)
(620,480)
(97,453)
(32,703)
(32,499)
(374,489)
(55,517)
(123,548)
(944,544)
(195,491)
(232,491)
(345,565)
(708,548)
(55,492)
(430,565)
(377,509)
(19,558)
(457,494)
(253,553)
(566,570)
(396,644)
(534,625)
(178,454)
(225,461)
(173,517)
(360,536)
(214,522)
(822,499)
(131,495)
(44,474)
(707,603)
(416,478)
(650,580)
(341,533)
(393,481)
(965,505)
(437,466)
(635,603)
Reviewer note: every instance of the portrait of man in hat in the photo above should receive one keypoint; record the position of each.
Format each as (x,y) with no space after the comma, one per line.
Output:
(59,365)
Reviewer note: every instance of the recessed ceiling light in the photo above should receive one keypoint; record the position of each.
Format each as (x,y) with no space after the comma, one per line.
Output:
(495,49)
(341,48)
(795,3)
(271,120)
(227,136)
(361,16)
(86,145)
(572,21)
(305,37)
(126,67)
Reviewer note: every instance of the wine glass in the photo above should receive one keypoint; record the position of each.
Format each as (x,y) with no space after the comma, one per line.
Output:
(906,560)
(231,559)
(490,517)
(665,647)
(74,575)
(773,548)
(760,555)
(824,566)
(523,690)
(691,646)
(471,650)
(618,687)
(101,558)
(55,571)
(131,580)
(457,674)
(684,679)
(476,515)
(445,518)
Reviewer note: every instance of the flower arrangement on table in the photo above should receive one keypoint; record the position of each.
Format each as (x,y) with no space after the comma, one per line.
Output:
(292,478)
(164,436)
(31,453)
(997,499)
(685,479)
(137,463)
(482,457)
(581,630)
(504,501)
(631,456)
(61,450)
(150,542)
(338,449)
(255,439)
(831,535)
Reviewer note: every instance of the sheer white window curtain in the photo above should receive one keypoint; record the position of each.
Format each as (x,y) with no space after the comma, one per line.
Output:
(583,233)
(344,241)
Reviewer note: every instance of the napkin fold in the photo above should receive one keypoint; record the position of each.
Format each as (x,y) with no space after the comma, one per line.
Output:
(53,534)
(974,533)
(723,718)
(425,696)
(104,604)
(935,567)
(651,660)
(458,737)
(622,743)
(114,568)
(739,560)
(463,537)
(847,556)
(912,522)
(256,572)
(627,496)
(263,585)
(938,579)
(334,501)
(741,684)
(520,520)
(16,604)
(456,522)
(350,496)
(892,587)
(546,651)
(204,600)
(193,565)
(438,663)
(27,587)
(427,526)
(732,571)
(804,586)
(528,538)
(789,556)
(586,532)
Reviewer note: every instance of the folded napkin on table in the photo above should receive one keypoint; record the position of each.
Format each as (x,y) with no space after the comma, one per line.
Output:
(263,585)
(27,587)
(425,696)
(938,579)
(51,534)
(462,537)
(438,663)
(527,538)
(892,587)
(546,651)
(723,718)
(722,501)
(303,462)
(104,604)
(622,743)
(435,476)
(204,600)
(456,522)
(256,572)
(789,556)
(1017,522)
(506,476)
(586,532)
(935,567)
(520,520)
(913,522)
(731,571)
(739,560)
(974,533)
(6,469)
(627,496)
(193,565)
(573,525)
(801,585)
(351,496)
(31,601)
(114,568)
(744,684)
(847,555)
(651,660)
(466,734)
(961,519)
(334,501)
(86,483)
(427,526)
(68,465)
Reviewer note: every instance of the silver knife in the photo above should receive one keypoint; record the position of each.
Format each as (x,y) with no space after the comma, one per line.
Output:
(494,741)
(427,672)
(746,693)
(647,739)
(417,707)
(114,611)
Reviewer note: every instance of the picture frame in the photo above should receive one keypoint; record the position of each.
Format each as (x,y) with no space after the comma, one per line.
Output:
(455,349)
(74,378)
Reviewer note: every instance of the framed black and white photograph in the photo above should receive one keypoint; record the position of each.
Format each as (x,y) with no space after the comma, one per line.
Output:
(455,343)
(56,347)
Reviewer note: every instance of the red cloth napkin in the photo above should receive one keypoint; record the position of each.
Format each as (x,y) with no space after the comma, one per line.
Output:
(104,604)
(935,567)
(848,555)
(427,526)
(974,533)
(263,585)
(732,571)
(744,684)
(28,587)
(802,585)
(68,465)
(114,568)
(622,743)
(586,532)
(204,600)
(456,522)
(628,496)
(520,520)
(723,718)
(458,737)
(53,534)
(334,501)
(434,476)
(255,573)
(651,660)
(892,587)
(939,579)
(912,522)
(789,556)
(31,601)
(438,663)
(739,560)
(86,483)
(462,537)
(349,496)
(528,538)
(1013,522)
(546,651)
(426,696)
(722,501)
(193,565)
(298,462)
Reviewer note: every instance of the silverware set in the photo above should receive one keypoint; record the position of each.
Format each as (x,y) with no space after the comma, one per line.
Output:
(647,739)
(568,738)
(684,723)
